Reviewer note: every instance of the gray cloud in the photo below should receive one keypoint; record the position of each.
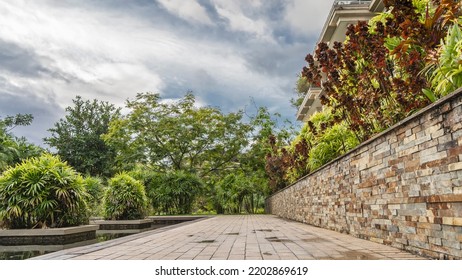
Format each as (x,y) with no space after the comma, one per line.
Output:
(45,111)
(16,59)
(277,60)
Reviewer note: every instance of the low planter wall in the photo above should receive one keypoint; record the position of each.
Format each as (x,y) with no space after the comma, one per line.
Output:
(122,224)
(172,220)
(402,188)
(52,236)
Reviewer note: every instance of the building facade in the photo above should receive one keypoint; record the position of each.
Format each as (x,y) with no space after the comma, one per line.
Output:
(342,14)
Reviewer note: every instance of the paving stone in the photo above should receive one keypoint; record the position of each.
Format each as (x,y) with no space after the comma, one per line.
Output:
(251,237)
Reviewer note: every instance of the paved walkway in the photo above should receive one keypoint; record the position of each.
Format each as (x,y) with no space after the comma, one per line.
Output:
(252,237)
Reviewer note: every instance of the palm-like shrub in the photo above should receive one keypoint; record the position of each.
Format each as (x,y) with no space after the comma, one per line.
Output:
(42,192)
(95,189)
(125,198)
(445,72)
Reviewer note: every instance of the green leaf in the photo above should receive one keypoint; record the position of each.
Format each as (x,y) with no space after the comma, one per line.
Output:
(430,95)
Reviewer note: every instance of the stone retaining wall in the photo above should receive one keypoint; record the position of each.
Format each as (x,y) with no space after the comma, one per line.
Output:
(402,188)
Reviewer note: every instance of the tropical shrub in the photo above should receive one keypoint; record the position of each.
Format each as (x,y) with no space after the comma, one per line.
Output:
(333,142)
(42,192)
(237,193)
(298,152)
(372,80)
(278,162)
(95,189)
(174,192)
(445,71)
(125,198)
(322,139)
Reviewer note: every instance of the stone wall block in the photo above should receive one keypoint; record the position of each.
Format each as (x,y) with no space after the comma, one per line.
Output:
(434,156)
(455,166)
(435,241)
(451,244)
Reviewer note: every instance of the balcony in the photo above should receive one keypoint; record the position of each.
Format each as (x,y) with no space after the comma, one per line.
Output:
(342,14)
(310,104)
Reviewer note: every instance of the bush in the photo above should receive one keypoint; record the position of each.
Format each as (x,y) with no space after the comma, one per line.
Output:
(445,73)
(42,192)
(238,192)
(125,198)
(174,192)
(95,189)
(333,142)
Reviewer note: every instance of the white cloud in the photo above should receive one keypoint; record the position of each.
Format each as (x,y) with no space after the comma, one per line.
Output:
(188,10)
(233,12)
(307,17)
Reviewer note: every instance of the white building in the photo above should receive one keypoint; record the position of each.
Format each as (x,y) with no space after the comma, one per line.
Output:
(342,14)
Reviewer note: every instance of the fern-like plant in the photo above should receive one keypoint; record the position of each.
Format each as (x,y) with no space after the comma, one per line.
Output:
(125,198)
(42,192)
(446,74)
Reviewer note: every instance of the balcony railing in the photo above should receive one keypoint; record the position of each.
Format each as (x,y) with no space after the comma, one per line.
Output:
(342,3)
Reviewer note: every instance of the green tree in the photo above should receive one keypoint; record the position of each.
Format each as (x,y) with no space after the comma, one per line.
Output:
(301,89)
(14,149)
(177,136)
(8,150)
(77,137)
(10,122)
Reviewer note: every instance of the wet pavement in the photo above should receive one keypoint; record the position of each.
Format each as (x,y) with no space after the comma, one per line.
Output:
(241,237)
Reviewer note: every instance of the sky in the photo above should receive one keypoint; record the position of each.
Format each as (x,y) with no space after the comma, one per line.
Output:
(229,53)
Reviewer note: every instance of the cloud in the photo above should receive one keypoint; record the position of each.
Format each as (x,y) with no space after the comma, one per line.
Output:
(83,50)
(233,12)
(16,59)
(14,100)
(307,17)
(111,50)
(188,10)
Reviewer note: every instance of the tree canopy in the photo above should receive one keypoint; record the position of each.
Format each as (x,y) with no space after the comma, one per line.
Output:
(177,136)
(77,137)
